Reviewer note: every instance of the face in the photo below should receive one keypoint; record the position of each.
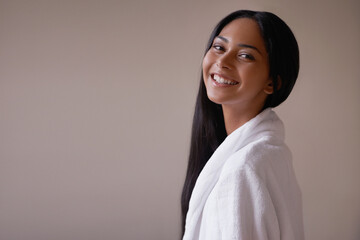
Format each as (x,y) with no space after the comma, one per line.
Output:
(236,67)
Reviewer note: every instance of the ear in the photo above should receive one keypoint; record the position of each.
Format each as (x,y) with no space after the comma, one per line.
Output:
(269,87)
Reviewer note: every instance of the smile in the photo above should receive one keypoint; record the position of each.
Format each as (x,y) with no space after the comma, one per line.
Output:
(222,80)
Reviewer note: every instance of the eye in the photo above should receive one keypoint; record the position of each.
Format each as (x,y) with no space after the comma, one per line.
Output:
(218,47)
(246,56)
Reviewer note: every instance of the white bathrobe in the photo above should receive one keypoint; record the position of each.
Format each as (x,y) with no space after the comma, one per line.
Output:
(248,190)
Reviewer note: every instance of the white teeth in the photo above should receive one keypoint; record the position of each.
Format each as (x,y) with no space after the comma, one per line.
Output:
(219,79)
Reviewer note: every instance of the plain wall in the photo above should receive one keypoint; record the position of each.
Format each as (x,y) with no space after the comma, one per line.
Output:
(96,103)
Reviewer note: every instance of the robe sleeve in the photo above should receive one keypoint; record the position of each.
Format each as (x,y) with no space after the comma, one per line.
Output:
(244,207)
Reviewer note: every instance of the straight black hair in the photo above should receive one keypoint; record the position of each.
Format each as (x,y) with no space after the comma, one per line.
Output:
(208,129)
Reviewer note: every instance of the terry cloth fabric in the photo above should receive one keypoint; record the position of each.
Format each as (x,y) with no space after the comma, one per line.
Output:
(248,190)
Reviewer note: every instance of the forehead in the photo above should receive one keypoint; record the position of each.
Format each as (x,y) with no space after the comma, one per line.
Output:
(244,31)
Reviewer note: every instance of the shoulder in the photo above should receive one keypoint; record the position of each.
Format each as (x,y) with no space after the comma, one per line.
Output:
(258,158)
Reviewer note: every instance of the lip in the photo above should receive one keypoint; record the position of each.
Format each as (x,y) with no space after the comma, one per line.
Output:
(222,84)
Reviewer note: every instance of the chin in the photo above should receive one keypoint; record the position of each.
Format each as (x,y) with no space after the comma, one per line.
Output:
(217,100)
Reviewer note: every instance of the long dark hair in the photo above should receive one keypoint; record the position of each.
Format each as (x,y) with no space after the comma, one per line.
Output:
(208,129)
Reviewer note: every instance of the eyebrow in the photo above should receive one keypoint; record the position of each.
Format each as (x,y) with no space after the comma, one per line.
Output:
(240,44)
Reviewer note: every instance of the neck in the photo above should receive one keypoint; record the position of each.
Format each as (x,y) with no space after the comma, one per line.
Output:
(235,117)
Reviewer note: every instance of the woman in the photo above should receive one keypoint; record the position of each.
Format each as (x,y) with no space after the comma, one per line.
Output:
(240,182)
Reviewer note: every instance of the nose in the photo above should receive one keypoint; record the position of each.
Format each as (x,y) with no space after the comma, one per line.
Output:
(224,61)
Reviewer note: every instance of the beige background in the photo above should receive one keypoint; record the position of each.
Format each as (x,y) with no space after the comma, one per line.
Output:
(96,102)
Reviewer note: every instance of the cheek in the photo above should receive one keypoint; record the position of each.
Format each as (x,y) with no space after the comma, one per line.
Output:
(206,64)
(257,74)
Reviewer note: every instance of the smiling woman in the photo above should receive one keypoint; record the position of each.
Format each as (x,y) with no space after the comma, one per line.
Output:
(236,71)
(240,182)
